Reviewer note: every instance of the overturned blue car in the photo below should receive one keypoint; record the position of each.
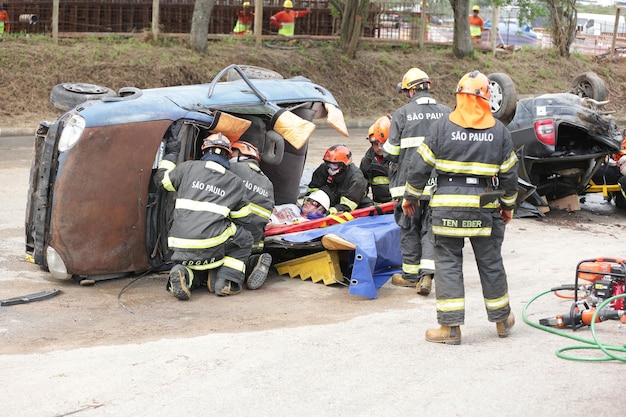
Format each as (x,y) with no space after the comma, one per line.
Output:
(93,210)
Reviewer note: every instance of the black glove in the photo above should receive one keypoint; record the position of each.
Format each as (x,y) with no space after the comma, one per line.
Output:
(172,144)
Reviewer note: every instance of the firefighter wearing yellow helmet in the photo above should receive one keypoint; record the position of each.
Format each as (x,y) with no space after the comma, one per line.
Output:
(476,24)
(374,166)
(285,20)
(409,126)
(472,153)
(245,17)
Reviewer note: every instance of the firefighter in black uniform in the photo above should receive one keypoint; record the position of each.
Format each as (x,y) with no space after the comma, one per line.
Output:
(374,166)
(260,193)
(409,125)
(472,153)
(209,241)
(343,181)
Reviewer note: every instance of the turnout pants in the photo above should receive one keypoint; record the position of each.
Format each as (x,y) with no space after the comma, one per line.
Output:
(450,289)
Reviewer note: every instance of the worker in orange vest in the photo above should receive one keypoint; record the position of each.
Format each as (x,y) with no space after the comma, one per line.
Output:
(476,24)
(245,17)
(285,19)
(4,20)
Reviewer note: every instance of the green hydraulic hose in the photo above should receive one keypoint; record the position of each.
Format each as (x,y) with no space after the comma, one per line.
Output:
(593,344)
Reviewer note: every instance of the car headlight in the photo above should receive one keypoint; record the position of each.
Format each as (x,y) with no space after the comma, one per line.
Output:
(71,132)
(56,266)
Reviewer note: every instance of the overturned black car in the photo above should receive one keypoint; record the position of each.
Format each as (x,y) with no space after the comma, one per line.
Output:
(561,139)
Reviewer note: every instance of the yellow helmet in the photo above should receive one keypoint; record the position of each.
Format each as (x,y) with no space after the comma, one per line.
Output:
(288,4)
(246,4)
(415,78)
(476,8)
(475,83)
(370,131)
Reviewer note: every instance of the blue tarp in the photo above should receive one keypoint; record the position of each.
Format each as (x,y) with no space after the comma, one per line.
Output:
(377,255)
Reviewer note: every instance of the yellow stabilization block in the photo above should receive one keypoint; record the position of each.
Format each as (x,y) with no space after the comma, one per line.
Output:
(321,266)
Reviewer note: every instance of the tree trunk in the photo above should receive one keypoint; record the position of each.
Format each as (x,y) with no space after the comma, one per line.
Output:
(351,13)
(198,37)
(461,39)
(563,24)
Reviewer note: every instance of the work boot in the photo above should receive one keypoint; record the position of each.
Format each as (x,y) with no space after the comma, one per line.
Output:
(450,335)
(178,282)
(231,288)
(401,281)
(211,280)
(504,327)
(424,285)
(259,273)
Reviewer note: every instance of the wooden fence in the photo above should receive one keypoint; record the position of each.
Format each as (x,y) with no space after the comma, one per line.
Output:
(131,16)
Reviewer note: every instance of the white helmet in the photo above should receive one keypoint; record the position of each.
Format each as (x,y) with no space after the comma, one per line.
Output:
(321,197)
(622,165)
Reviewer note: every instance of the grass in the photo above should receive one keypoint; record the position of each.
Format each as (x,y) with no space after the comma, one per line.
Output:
(365,86)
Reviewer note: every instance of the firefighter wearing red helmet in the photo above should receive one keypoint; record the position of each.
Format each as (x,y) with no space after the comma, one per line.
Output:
(409,126)
(341,180)
(374,166)
(260,193)
(208,239)
(472,153)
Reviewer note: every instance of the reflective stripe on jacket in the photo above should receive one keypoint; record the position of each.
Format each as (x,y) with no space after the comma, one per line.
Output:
(409,126)
(473,156)
(210,203)
(260,194)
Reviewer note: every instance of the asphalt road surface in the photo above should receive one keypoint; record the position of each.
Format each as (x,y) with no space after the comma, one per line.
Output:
(329,354)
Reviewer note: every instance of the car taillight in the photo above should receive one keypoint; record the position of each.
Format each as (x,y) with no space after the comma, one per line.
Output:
(545,131)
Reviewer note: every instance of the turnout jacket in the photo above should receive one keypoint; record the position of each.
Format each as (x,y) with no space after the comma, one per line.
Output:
(468,163)
(210,203)
(260,194)
(346,189)
(409,126)
(377,176)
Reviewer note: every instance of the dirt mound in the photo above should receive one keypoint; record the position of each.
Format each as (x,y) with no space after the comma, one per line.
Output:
(365,87)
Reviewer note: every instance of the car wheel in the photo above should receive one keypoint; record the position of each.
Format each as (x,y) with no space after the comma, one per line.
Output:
(66,96)
(589,84)
(503,98)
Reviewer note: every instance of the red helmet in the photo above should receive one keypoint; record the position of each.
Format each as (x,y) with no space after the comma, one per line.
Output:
(381,129)
(338,154)
(246,149)
(217,144)
(474,83)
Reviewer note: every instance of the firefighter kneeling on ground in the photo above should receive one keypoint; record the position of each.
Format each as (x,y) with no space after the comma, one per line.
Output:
(209,241)
(472,153)
(244,162)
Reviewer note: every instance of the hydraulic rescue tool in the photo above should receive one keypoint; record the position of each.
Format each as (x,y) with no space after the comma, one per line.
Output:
(596,280)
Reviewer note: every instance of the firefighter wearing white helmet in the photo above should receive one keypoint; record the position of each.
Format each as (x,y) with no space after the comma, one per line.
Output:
(409,125)
(472,153)
(260,193)
(207,237)
(285,20)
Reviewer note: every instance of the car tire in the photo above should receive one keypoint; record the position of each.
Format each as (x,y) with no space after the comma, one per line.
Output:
(589,84)
(503,99)
(66,96)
